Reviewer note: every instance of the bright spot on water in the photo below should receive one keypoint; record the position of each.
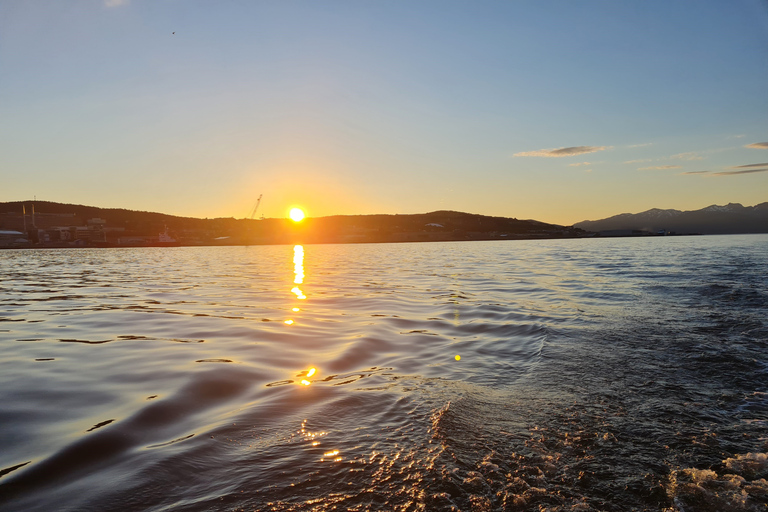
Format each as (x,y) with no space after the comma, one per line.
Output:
(295,310)
(458,357)
(310,373)
(298,264)
(289,322)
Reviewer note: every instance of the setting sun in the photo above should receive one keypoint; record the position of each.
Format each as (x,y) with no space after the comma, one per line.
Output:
(296,214)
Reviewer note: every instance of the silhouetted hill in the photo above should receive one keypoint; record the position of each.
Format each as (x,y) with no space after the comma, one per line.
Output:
(127,227)
(730,219)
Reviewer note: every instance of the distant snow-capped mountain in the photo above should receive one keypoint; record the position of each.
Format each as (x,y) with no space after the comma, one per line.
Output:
(714,219)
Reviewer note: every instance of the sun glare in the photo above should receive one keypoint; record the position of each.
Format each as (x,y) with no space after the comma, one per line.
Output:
(296,215)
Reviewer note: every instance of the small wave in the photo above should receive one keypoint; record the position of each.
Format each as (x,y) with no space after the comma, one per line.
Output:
(155,421)
(87,342)
(99,425)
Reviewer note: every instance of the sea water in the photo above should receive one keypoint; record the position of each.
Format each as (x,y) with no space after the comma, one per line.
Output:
(585,374)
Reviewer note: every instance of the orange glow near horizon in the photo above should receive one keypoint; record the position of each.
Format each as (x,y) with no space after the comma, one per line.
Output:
(296,214)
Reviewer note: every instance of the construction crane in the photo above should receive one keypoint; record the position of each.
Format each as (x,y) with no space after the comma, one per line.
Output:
(255,207)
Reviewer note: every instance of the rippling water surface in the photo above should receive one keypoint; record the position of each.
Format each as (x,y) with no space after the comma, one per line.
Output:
(625,374)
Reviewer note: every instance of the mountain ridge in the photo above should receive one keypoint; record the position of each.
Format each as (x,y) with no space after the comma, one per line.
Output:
(733,218)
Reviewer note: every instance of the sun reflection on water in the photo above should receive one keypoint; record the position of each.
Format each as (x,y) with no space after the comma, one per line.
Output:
(298,264)
(313,438)
(306,375)
(298,271)
(298,277)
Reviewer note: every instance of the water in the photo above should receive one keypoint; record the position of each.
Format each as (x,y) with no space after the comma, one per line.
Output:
(623,374)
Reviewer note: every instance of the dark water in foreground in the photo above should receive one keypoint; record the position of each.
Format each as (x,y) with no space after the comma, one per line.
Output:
(610,375)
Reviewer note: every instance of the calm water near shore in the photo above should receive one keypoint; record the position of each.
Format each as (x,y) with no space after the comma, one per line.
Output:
(583,374)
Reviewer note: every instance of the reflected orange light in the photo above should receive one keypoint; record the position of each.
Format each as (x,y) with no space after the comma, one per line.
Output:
(333,454)
(307,374)
(289,322)
(298,264)
(295,310)
(298,270)
(296,214)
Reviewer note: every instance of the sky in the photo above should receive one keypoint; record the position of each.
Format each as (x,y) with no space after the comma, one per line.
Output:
(559,111)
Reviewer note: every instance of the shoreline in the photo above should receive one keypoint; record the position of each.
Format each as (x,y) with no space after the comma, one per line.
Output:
(355,242)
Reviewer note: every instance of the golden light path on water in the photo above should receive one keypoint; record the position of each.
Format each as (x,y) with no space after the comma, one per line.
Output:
(298,273)
(332,455)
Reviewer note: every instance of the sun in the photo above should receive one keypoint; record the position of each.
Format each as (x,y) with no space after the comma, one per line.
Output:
(296,214)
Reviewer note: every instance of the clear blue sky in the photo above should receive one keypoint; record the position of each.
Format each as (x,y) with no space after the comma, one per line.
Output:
(559,111)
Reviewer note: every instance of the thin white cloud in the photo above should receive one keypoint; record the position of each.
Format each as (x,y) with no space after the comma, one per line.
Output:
(696,172)
(687,156)
(736,136)
(757,145)
(659,167)
(640,161)
(115,3)
(641,145)
(578,164)
(562,152)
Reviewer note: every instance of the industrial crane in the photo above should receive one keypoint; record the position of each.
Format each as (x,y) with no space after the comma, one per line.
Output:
(255,207)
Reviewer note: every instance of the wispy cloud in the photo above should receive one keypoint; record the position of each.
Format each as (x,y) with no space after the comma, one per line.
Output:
(641,145)
(561,152)
(757,145)
(741,136)
(115,3)
(687,156)
(748,166)
(731,173)
(728,173)
(578,164)
(659,167)
(640,161)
